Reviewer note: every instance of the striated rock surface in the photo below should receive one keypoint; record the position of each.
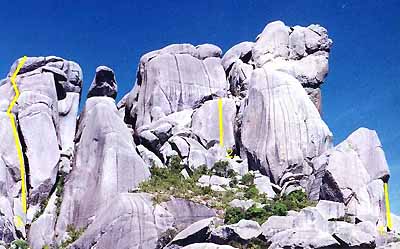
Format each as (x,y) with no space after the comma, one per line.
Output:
(84,175)
(45,115)
(354,174)
(127,221)
(103,145)
(281,127)
(173,79)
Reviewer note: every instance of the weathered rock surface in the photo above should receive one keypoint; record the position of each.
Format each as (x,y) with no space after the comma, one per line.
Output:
(360,188)
(307,239)
(46,112)
(81,174)
(281,127)
(173,79)
(205,122)
(196,232)
(104,83)
(207,246)
(126,221)
(103,145)
(186,212)
(330,209)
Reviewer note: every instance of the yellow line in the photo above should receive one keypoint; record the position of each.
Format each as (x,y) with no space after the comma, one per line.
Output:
(221,123)
(387,204)
(15,134)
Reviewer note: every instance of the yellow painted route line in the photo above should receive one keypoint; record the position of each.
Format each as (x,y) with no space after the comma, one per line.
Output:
(221,123)
(18,219)
(387,204)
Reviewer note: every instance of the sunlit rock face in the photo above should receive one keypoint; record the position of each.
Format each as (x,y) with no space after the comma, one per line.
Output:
(237,135)
(175,78)
(106,162)
(281,127)
(45,131)
(354,174)
(302,52)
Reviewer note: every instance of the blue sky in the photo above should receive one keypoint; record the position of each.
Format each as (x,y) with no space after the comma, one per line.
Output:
(362,89)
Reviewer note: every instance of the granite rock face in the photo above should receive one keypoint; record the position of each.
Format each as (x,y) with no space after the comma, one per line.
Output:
(354,174)
(126,221)
(302,52)
(281,127)
(45,114)
(235,125)
(103,145)
(104,83)
(174,79)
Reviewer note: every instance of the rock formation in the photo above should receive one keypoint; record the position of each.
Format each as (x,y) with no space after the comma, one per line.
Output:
(154,170)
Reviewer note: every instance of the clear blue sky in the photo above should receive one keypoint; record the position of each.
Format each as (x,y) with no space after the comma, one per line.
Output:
(362,89)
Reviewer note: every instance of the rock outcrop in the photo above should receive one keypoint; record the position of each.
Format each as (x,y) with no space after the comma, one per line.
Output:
(103,145)
(45,114)
(208,150)
(354,174)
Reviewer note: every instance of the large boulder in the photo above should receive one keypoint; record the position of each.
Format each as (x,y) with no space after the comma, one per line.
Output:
(302,52)
(106,163)
(187,212)
(46,111)
(281,128)
(104,83)
(196,233)
(331,210)
(173,79)
(303,238)
(206,122)
(361,187)
(128,221)
(207,246)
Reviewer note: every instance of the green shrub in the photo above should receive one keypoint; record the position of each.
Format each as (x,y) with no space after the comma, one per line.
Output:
(247,179)
(19,244)
(279,208)
(233,215)
(42,207)
(234,182)
(175,164)
(296,200)
(199,171)
(220,168)
(251,192)
(258,214)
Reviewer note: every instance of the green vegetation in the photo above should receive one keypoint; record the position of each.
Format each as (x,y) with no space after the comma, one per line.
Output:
(42,207)
(19,244)
(73,235)
(251,192)
(220,168)
(247,179)
(59,193)
(278,207)
(167,182)
(254,243)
